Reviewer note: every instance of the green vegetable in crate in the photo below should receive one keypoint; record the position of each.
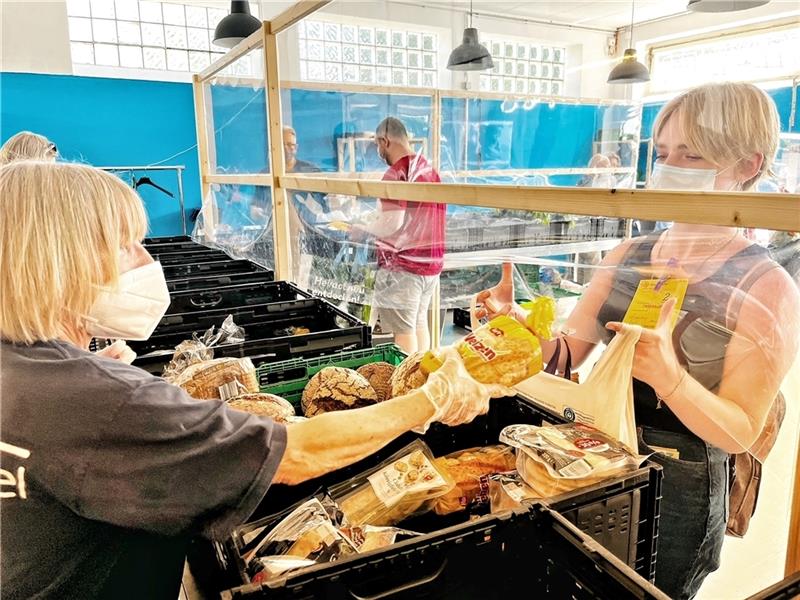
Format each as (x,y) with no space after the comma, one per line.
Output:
(336,388)
(265,405)
(379,375)
(408,376)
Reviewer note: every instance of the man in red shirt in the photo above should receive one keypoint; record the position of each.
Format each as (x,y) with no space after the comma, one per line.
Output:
(410,243)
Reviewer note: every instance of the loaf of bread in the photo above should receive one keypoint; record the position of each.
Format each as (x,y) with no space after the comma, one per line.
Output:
(467,468)
(265,405)
(379,375)
(408,376)
(336,388)
(223,378)
(539,479)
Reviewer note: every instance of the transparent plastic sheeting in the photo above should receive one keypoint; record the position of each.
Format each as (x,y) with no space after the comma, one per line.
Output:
(237,219)
(540,142)
(335,131)
(237,123)
(735,337)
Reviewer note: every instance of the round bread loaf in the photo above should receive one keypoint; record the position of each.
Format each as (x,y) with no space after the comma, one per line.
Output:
(336,388)
(408,375)
(378,374)
(265,405)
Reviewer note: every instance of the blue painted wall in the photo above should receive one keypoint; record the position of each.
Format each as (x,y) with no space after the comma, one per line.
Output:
(109,122)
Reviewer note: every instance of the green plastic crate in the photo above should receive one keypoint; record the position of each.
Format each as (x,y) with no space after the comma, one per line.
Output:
(288,378)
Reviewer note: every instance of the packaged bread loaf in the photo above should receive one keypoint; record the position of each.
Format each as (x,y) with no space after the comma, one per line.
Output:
(265,405)
(222,378)
(508,491)
(502,351)
(404,485)
(468,468)
(554,459)
(336,388)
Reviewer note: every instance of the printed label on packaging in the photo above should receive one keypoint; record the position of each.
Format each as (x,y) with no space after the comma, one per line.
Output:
(650,296)
(412,474)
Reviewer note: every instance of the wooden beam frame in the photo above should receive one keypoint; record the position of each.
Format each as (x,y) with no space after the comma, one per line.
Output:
(281,230)
(239,179)
(779,212)
(204,153)
(253,41)
(296,13)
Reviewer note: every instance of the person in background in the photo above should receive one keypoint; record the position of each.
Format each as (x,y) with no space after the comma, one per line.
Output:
(290,147)
(108,470)
(598,180)
(410,239)
(704,389)
(27,145)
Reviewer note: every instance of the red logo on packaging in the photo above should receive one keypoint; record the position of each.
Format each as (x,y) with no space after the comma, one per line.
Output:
(587,443)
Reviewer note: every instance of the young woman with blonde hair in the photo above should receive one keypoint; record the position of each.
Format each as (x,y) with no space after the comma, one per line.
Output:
(704,389)
(108,470)
(27,145)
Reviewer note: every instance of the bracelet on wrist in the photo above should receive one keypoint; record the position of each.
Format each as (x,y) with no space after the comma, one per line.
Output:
(666,397)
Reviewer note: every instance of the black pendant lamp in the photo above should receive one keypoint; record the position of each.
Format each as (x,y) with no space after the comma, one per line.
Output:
(236,26)
(471,55)
(630,70)
(716,6)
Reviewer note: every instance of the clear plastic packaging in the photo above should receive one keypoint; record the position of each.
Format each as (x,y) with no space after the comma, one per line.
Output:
(508,491)
(222,378)
(571,450)
(469,469)
(404,485)
(368,538)
(201,348)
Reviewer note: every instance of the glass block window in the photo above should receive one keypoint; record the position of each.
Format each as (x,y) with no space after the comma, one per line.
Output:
(351,53)
(750,56)
(524,68)
(142,34)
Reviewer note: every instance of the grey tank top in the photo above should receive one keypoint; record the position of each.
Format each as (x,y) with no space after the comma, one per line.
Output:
(703,331)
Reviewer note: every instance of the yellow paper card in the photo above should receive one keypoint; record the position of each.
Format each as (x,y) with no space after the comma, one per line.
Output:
(647,301)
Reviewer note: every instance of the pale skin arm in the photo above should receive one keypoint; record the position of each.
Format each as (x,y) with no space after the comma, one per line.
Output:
(335,440)
(387,222)
(758,357)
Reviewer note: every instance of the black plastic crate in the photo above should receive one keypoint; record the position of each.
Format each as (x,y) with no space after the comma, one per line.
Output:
(177,247)
(202,269)
(167,239)
(630,538)
(186,257)
(531,553)
(210,281)
(233,296)
(332,330)
(461,318)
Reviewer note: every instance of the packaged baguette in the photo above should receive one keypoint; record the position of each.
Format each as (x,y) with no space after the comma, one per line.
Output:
(404,485)
(502,351)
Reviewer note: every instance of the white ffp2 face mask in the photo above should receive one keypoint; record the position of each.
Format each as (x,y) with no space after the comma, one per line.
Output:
(666,177)
(132,310)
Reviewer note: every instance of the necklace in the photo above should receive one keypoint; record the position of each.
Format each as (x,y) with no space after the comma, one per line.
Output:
(707,258)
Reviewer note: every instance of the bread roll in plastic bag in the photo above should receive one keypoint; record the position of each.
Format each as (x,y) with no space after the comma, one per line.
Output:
(223,378)
(468,469)
(404,485)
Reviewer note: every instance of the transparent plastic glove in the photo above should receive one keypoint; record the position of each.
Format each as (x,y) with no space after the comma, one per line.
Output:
(119,350)
(457,398)
(499,300)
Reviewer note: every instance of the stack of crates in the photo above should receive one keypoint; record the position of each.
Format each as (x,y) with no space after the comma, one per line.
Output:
(279,320)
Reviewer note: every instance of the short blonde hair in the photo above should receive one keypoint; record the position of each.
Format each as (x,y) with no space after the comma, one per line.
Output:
(27,145)
(726,123)
(62,227)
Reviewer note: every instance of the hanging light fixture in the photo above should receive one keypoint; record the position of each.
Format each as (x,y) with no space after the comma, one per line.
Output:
(715,6)
(629,70)
(471,55)
(236,26)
